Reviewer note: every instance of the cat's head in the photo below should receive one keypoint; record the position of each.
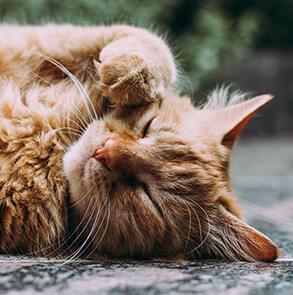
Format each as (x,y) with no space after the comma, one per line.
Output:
(156,183)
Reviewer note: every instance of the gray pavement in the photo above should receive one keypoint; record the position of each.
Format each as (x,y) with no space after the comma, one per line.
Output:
(263,177)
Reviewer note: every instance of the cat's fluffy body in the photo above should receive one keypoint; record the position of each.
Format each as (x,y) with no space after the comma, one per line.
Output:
(148,173)
(37,99)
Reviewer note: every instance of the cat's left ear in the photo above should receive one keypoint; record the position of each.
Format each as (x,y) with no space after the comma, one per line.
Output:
(230,121)
(238,241)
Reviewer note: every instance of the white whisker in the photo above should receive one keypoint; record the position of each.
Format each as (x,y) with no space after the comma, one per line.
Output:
(78,85)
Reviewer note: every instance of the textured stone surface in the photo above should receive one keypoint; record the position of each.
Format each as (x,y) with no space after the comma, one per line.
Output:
(263,177)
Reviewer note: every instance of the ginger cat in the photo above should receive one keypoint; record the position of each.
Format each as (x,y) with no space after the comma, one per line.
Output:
(99,152)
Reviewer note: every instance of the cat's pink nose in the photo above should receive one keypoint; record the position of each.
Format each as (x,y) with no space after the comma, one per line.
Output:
(104,154)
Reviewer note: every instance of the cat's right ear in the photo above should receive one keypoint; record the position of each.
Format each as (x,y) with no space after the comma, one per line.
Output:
(239,241)
(227,123)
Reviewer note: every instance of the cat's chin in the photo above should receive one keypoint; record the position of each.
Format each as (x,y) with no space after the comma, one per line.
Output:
(104,206)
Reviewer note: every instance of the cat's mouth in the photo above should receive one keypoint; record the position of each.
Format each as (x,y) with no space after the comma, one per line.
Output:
(125,180)
(93,170)
(114,181)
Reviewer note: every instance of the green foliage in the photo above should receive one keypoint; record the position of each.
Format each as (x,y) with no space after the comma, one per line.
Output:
(79,12)
(213,40)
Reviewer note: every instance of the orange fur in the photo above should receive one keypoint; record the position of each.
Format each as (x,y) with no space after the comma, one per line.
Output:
(166,189)
(43,111)
(148,173)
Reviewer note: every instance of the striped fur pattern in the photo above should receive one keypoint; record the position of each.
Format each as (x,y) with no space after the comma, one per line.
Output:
(100,156)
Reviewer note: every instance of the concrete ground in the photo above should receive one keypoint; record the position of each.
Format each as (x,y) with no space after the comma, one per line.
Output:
(263,177)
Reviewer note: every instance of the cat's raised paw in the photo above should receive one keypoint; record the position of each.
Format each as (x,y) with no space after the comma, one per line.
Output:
(128,80)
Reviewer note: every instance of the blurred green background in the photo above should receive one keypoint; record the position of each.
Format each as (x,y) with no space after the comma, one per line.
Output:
(244,42)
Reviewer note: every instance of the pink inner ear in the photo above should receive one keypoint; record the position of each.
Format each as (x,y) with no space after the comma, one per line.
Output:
(230,121)
(230,138)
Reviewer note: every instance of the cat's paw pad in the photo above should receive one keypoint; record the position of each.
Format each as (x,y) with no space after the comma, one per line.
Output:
(128,80)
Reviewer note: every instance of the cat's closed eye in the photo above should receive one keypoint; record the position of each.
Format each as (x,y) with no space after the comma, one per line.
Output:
(185,205)
(147,126)
(107,105)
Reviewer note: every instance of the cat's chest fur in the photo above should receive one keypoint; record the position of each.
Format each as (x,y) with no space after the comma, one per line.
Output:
(42,112)
(32,184)
(36,117)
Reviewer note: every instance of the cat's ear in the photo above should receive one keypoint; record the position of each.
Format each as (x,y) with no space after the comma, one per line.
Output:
(239,241)
(230,121)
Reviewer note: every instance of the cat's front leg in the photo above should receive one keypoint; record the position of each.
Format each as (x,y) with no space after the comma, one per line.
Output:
(136,69)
